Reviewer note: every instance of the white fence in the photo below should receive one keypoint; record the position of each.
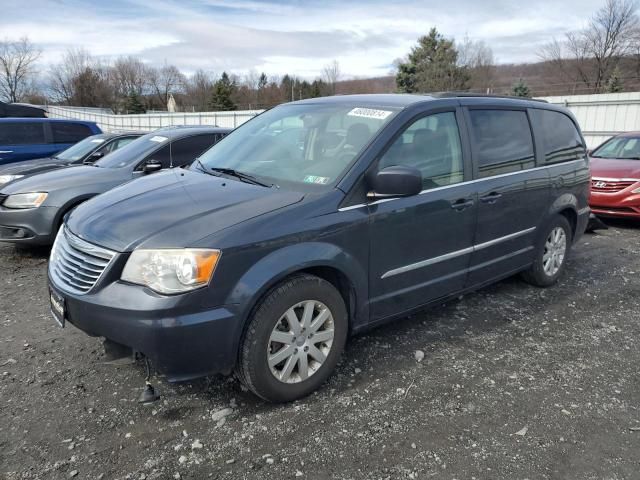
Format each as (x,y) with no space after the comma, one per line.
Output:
(151,121)
(600,116)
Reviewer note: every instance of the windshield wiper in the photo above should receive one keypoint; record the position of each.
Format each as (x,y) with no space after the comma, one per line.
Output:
(245,177)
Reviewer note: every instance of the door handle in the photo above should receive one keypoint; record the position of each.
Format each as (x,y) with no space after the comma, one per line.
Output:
(461,204)
(491,197)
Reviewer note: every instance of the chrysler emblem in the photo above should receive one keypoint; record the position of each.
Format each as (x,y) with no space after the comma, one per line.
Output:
(600,184)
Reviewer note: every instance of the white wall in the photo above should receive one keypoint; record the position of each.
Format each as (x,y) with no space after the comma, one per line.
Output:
(600,116)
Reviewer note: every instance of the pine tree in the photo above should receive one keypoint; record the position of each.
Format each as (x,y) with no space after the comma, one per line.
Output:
(223,90)
(614,84)
(432,66)
(521,89)
(133,104)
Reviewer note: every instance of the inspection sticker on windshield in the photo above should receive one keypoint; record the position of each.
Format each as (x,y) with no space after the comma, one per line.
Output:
(316,180)
(369,113)
(97,140)
(158,139)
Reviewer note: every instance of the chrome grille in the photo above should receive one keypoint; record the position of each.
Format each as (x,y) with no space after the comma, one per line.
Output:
(76,265)
(610,185)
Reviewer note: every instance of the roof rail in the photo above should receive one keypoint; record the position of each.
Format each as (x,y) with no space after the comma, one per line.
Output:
(481,95)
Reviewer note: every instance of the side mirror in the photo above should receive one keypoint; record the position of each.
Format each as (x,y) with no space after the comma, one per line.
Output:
(152,166)
(94,157)
(395,181)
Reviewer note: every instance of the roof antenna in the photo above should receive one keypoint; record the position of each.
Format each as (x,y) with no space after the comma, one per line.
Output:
(148,394)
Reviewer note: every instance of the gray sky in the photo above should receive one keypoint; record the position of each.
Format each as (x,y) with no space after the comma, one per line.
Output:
(288,36)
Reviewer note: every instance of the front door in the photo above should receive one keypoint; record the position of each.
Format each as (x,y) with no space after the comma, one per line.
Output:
(421,245)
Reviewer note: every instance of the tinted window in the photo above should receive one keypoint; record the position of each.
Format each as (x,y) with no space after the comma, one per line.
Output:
(186,150)
(22,133)
(163,156)
(432,145)
(560,137)
(503,141)
(69,132)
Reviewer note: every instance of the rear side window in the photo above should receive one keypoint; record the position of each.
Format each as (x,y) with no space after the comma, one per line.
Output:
(69,132)
(503,141)
(185,151)
(560,137)
(22,133)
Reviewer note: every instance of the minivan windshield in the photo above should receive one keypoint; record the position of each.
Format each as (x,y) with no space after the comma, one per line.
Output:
(626,148)
(305,146)
(79,150)
(133,152)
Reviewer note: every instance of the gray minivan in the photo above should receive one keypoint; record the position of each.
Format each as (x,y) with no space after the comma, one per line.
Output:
(316,220)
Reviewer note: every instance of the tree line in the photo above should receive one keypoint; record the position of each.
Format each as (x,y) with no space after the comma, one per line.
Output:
(602,57)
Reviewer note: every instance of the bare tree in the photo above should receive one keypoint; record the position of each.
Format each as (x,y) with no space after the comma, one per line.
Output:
(165,81)
(477,57)
(331,75)
(198,90)
(17,67)
(590,56)
(130,75)
(62,75)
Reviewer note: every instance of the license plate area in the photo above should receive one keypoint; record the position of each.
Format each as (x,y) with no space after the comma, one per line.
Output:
(58,307)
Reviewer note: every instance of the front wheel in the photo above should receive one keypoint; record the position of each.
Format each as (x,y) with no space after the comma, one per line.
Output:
(294,340)
(551,254)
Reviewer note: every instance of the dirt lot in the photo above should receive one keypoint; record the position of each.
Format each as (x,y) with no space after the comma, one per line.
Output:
(516,383)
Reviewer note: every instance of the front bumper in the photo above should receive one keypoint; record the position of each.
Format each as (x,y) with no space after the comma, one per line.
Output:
(33,226)
(182,340)
(623,203)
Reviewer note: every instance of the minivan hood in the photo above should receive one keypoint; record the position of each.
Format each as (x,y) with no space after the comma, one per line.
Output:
(61,178)
(172,209)
(614,168)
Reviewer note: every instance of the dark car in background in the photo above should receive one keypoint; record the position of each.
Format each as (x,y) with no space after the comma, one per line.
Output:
(28,138)
(89,150)
(32,208)
(318,219)
(615,177)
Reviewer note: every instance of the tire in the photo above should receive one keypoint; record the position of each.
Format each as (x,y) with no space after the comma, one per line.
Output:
(277,345)
(550,258)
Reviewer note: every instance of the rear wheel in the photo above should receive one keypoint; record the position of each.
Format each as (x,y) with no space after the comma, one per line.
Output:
(294,340)
(551,254)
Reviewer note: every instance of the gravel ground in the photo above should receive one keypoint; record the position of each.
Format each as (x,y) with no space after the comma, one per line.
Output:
(516,382)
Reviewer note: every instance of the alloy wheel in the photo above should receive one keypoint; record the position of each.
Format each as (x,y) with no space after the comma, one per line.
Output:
(555,249)
(300,341)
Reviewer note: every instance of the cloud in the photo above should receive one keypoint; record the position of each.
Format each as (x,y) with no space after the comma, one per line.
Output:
(290,36)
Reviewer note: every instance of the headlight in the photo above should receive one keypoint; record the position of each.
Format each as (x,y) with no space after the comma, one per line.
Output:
(9,178)
(25,200)
(171,270)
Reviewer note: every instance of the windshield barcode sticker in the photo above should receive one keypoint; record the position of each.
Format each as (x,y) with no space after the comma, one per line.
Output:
(369,113)
(97,140)
(158,139)
(317,180)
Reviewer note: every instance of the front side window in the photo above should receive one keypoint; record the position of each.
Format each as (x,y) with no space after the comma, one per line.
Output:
(432,145)
(560,137)
(22,133)
(503,141)
(304,146)
(186,150)
(627,148)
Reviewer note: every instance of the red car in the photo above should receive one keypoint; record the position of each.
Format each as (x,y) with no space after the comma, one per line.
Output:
(615,177)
